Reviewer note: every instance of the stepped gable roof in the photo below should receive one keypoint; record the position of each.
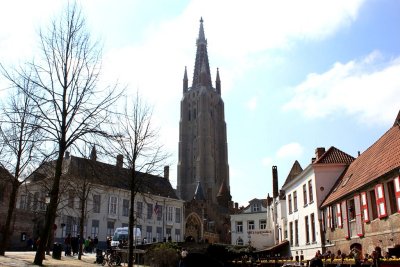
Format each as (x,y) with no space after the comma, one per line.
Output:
(334,155)
(379,159)
(294,171)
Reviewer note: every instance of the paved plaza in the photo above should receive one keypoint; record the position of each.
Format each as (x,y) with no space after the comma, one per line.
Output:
(25,258)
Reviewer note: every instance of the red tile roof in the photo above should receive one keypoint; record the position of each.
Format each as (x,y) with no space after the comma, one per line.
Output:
(379,159)
(334,155)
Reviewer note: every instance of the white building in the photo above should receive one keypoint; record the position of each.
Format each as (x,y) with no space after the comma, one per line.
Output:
(253,226)
(304,193)
(158,211)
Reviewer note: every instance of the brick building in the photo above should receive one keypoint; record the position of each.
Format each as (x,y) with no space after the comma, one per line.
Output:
(363,208)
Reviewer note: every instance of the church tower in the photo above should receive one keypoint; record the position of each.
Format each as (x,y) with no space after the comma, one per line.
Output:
(203,170)
(203,152)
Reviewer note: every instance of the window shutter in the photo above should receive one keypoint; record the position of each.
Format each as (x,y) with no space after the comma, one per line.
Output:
(359,220)
(329,217)
(339,215)
(364,206)
(380,201)
(397,191)
(345,219)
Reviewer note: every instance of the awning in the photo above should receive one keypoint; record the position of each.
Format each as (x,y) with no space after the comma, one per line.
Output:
(276,247)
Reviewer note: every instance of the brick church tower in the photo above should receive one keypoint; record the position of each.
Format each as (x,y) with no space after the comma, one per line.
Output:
(203,170)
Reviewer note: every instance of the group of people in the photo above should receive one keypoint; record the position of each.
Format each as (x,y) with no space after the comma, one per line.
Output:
(368,259)
(72,244)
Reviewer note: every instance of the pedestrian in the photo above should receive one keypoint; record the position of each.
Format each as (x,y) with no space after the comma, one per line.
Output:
(67,243)
(183,260)
(316,261)
(95,242)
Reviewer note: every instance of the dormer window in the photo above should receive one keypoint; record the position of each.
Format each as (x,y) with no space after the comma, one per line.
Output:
(256,207)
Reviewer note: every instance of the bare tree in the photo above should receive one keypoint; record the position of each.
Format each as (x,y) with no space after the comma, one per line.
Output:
(71,107)
(138,143)
(20,139)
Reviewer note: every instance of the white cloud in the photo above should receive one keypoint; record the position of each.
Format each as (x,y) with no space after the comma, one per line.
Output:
(267,161)
(366,88)
(291,150)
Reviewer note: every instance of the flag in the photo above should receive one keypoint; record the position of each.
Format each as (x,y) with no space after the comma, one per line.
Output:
(156,209)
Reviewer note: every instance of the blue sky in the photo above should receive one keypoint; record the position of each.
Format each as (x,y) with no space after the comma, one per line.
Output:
(295,75)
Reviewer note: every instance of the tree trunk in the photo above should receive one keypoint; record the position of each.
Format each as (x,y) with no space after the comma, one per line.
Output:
(7,226)
(51,210)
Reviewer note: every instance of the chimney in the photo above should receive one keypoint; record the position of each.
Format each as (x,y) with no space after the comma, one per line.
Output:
(236,206)
(274,182)
(66,156)
(120,161)
(166,172)
(319,151)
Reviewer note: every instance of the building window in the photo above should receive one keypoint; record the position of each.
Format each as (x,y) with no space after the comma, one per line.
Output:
(22,203)
(35,201)
(291,233)
(139,209)
(125,207)
(295,200)
(310,191)
(149,211)
(307,230)
(296,232)
(177,235)
(169,213)
(263,224)
(110,228)
(374,210)
(351,208)
(149,233)
(159,234)
(96,203)
(177,215)
(250,225)
(95,228)
(112,208)
(239,227)
(334,217)
(256,207)
(392,198)
(312,227)
(290,203)
(305,194)
(239,241)
(159,212)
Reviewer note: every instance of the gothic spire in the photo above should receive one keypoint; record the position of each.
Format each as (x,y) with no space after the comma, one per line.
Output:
(185,81)
(201,58)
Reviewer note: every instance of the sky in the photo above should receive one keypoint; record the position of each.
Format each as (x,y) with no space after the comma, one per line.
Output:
(295,75)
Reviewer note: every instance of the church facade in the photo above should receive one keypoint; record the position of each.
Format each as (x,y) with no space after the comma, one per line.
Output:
(203,169)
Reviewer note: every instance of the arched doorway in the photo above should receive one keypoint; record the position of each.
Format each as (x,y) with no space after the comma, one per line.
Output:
(193,227)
